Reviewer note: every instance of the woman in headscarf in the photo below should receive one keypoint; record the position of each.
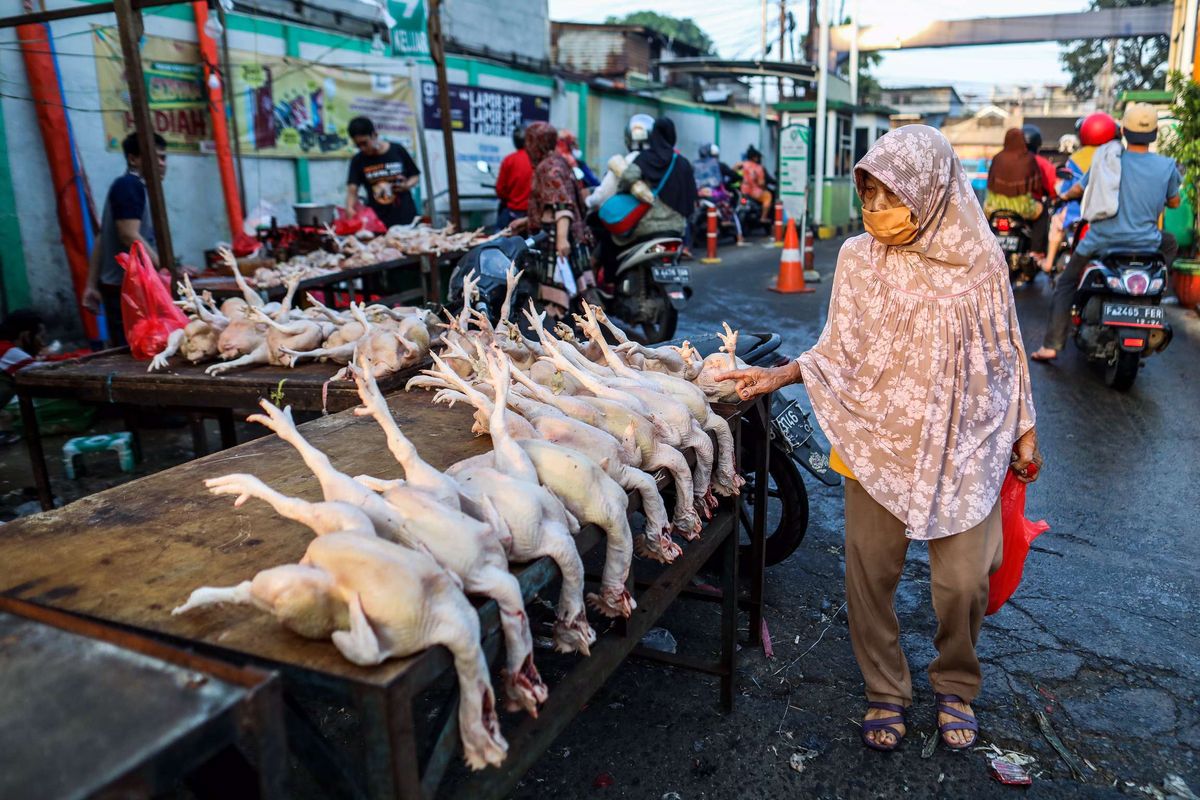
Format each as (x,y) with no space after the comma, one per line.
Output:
(921,384)
(1014,179)
(667,175)
(555,201)
(568,148)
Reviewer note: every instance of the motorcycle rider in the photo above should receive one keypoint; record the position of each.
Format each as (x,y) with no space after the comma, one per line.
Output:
(1092,131)
(1148,183)
(710,184)
(755,180)
(1039,231)
(637,137)
(513,182)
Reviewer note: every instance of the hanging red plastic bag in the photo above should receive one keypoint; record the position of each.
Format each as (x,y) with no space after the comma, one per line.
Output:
(1019,533)
(364,218)
(147,311)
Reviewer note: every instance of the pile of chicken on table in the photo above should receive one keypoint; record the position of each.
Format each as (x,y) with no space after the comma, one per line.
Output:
(576,424)
(246,331)
(365,248)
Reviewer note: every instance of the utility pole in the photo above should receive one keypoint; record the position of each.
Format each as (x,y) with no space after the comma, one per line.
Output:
(822,112)
(129,29)
(810,44)
(782,39)
(762,87)
(1105,79)
(437,52)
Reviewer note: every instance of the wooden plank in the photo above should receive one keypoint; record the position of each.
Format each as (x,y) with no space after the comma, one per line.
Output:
(130,554)
(103,709)
(114,376)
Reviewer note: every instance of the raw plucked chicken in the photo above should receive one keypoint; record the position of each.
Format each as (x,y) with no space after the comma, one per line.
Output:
(468,548)
(374,599)
(535,419)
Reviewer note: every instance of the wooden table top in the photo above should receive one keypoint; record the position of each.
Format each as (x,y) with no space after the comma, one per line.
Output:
(130,554)
(114,376)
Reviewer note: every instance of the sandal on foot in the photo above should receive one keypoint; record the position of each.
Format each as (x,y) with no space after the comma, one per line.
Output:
(968,721)
(1044,359)
(885,724)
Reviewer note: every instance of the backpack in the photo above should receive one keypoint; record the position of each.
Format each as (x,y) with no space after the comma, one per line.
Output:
(622,212)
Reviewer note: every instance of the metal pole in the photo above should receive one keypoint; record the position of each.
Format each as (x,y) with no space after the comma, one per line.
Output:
(438,53)
(418,112)
(1189,38)
(762,87)
(853,87)
(129,27)
(822,127)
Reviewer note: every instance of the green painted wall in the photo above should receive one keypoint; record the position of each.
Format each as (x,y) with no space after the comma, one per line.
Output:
(12,254)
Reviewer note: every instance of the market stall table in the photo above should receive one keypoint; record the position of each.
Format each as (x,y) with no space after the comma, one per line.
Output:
(130,554)
(114,376)
(339,285)
(90,710)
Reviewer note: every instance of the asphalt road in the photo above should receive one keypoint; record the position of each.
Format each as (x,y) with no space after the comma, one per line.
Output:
(1101,635)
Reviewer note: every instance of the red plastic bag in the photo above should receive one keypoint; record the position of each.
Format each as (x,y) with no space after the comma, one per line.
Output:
(147,311)
(1019,533)
(365,217)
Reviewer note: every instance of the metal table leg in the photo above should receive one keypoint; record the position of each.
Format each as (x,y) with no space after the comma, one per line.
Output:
(228,430)
(199,435)
(761,427)
(729,615)
(37,456)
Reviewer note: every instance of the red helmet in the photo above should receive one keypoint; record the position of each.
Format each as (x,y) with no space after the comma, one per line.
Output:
(1097,129)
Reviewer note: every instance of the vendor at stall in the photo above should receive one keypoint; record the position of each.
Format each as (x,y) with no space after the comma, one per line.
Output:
(921,384)
(126,219)
(385,170)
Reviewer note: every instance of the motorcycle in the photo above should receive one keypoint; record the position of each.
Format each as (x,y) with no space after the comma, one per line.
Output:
(648,289)
(727,225)
(1117,313)
(793,448)
(1012,233)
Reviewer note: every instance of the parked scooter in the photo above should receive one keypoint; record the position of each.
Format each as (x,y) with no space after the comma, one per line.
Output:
(1117,313)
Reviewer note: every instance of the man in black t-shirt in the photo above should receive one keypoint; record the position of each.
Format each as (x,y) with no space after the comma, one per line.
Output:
(385,170)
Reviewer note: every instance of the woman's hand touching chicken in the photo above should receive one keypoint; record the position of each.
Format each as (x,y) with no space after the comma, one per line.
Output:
(755,381)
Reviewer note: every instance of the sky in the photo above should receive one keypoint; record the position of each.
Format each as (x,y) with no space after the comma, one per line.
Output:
(735,26)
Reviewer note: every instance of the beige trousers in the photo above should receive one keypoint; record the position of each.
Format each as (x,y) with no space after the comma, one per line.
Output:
(959,567)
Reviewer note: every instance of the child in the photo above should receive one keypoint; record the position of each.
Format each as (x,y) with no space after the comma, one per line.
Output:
(22,335)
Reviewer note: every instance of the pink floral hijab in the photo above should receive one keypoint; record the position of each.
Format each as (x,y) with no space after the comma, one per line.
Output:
(920,379)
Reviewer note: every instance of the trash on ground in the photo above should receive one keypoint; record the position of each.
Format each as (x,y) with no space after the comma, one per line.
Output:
(798,759)
(1011,756)
(1067,756)
(1010,774)
(931,740)
(1175,788)
(660,639)
(603,781)
(768,650)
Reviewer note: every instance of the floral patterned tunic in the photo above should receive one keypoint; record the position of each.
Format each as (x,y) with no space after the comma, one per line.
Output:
(920,379)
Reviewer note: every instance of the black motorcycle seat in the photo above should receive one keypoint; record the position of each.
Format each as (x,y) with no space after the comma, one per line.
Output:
(751,347)
(1146,257)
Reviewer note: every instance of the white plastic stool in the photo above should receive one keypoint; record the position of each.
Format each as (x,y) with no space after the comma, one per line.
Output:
(120,443)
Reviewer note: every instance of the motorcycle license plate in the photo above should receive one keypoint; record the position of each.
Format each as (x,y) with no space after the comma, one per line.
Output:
(672,274)
(1008,242)
(791,426)
(1127,316)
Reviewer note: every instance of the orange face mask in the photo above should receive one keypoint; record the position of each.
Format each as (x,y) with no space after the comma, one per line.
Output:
(894,227)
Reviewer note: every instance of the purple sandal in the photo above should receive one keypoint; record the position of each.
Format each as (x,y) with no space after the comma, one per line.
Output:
(968,722)
(884,724)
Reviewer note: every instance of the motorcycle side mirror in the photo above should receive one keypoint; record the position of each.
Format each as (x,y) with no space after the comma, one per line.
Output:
(483,166)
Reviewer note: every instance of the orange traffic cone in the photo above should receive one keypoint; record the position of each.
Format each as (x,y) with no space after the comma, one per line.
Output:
(791,270)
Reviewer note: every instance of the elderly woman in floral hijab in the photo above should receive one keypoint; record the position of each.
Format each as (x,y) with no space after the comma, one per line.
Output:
(920,381)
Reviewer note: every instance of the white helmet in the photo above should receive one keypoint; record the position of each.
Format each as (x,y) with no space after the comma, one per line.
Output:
(637,132)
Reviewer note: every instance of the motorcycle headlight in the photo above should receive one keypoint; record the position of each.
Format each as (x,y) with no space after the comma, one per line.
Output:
(1156,286)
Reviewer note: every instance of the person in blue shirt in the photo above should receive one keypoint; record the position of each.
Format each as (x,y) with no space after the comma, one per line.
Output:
(1149,182)
(126,219)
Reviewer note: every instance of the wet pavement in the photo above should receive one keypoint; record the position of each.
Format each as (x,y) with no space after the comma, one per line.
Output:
(1100,636)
